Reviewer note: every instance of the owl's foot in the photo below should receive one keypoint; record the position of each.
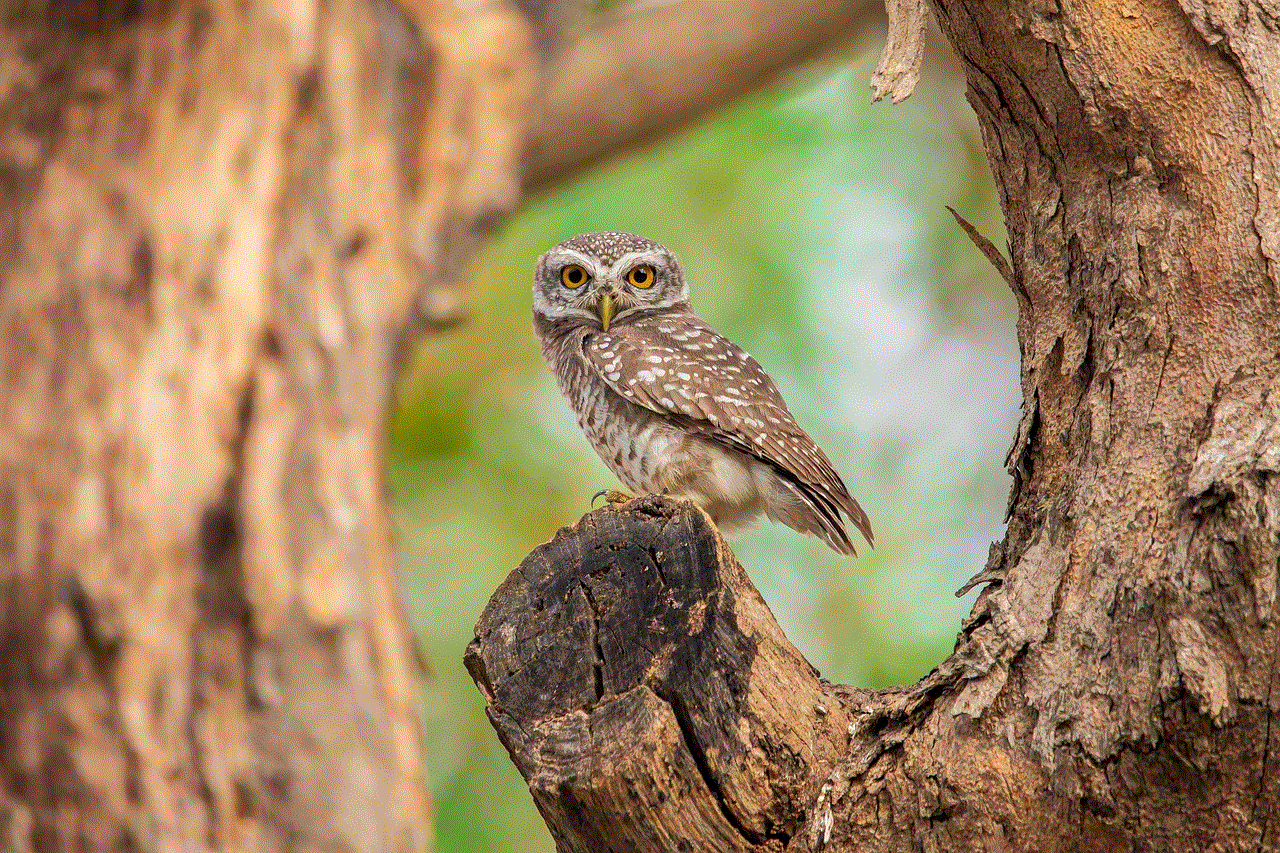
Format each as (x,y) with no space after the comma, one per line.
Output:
(613,496)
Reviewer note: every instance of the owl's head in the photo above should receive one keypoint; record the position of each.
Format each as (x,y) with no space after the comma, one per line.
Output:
(607,277)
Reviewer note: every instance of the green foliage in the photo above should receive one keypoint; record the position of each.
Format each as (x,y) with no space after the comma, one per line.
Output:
(813,231)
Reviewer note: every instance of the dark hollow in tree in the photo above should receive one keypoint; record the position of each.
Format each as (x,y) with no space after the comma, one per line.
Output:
(1115,685)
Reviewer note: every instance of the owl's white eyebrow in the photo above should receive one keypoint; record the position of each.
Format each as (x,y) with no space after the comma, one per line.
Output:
(631,257)
(586,260)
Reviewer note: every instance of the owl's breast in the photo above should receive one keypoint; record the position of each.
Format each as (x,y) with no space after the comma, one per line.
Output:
(649,453)
(634,442)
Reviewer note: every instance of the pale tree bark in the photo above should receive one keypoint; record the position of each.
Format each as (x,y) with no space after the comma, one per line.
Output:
(1115,687)
(218,221)
(218,225)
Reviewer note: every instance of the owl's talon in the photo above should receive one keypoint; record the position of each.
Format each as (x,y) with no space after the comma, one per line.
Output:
(612,496)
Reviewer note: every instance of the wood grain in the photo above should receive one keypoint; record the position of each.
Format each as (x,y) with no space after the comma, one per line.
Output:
(646,692)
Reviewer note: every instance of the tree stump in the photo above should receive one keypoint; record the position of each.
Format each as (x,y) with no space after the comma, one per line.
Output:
(645,691)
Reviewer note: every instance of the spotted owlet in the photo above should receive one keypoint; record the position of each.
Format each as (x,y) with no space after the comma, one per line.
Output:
(671,406)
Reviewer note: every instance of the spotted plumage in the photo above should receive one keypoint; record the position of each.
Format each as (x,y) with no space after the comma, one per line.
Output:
(671,406)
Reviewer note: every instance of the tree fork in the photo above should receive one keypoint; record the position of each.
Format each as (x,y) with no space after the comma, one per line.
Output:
(1116,682)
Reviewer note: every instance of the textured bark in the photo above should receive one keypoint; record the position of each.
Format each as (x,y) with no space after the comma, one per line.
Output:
(1115,685)
(217,222)
(587,655)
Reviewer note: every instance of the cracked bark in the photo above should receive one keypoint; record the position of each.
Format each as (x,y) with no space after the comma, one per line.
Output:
(1115,684)
(654,602)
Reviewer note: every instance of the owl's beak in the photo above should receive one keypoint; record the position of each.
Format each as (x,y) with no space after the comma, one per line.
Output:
(606,310)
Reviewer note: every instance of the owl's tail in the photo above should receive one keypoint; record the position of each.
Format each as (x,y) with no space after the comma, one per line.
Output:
(816,510)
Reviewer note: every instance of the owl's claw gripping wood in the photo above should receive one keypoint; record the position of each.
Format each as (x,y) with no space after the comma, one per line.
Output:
(611,496)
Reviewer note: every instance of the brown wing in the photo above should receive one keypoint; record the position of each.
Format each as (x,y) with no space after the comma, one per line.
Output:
(682,369)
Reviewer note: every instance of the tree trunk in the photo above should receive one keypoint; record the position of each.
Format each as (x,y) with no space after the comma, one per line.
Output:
(1115,684)
(218,221)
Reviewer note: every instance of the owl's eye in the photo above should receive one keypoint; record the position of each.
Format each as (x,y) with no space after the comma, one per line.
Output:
(573,276)
(641,276)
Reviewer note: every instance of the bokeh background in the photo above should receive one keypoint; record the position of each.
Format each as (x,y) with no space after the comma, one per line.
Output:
(813,228)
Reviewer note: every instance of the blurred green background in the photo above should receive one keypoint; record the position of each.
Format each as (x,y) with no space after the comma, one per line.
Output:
(813,230)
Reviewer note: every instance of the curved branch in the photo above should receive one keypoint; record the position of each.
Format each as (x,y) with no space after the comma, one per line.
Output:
(654,68)
(1117,683)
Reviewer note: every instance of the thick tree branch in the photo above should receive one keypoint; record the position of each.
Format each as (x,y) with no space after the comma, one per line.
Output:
(655,67)
(1117,683)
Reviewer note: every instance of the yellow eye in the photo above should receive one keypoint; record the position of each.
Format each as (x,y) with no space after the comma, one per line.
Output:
(641,276)
(573,276)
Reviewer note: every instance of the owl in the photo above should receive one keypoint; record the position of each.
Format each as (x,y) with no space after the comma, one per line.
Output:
(671,406)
